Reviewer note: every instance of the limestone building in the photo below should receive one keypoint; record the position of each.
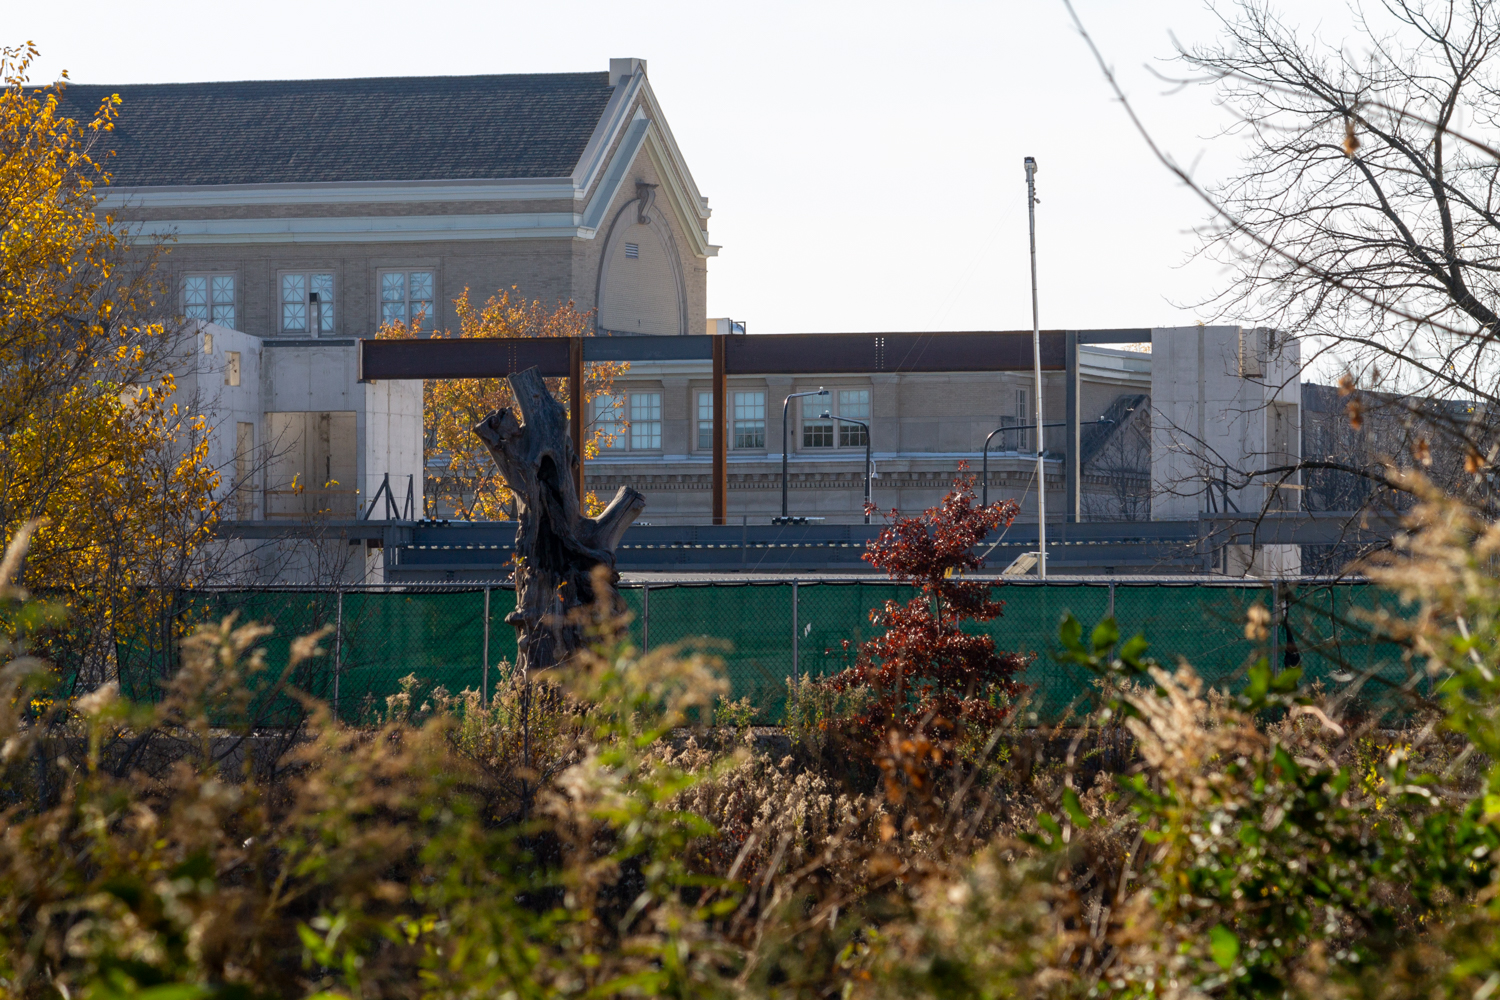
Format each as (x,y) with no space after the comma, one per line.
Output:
(299,215)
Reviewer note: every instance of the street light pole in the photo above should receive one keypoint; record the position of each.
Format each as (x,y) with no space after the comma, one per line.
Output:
(859,423)
(785,405)
(1036,358)
(984,497)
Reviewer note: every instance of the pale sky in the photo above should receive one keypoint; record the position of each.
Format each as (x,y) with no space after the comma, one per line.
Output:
(863,160)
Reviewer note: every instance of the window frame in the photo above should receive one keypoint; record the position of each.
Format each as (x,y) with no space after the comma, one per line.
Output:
(628,428)
(617,427)
(703,425)
(814,425)
(641,425)
(840,432)
(209,278)
(406,272)
(330,328)
(735,420)
(846,431)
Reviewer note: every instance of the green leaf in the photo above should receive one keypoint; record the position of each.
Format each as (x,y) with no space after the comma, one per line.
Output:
(1074,809)
(1046,822)
(1132,653)
(1224,946)
(1286,682)
(1071,633)
(1260,683)
(1106,634)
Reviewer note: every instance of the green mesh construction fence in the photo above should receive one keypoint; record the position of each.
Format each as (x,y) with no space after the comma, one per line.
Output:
(767,633)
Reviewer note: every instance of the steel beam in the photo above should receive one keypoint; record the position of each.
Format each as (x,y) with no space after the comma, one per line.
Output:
(1074,467)
(575,410)
(762,354)
(721,435)
(463,357)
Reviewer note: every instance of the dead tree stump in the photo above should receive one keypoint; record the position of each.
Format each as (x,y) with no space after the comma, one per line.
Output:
(557,548)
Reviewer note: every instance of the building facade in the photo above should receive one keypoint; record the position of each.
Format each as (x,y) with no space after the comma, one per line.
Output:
(921,428)
(300,216)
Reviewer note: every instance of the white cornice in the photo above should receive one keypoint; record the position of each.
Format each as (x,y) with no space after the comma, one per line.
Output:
(378,228)
(674,155)
(678,193)
(221,195)
(616,117)
(631,121)
(619,166)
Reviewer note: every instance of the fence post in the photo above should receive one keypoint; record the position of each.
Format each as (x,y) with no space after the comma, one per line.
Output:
(645,618)
(1111,599)
(1275,622)
(796,673)
(338,647)
(484,683)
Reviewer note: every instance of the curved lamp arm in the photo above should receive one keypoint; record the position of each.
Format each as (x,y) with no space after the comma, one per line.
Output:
(785,405)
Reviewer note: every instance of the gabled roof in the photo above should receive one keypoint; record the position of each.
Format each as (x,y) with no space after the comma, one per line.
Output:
(376,129)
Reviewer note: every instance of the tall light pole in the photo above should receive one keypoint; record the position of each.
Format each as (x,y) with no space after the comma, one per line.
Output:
(1036,358)
(868,462)
(785,405)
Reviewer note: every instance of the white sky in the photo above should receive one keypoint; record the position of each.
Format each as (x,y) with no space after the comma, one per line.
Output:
(863,160)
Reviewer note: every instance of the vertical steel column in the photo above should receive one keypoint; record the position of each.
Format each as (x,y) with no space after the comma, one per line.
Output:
(338,649)
(484,683)
(796,662)
(575,408)
(1036,361)
(645,618)
(1111,599)
(1075,456)
(1275,625)
(721,435)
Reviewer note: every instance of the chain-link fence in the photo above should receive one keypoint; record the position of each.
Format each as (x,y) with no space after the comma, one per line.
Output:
(768,632)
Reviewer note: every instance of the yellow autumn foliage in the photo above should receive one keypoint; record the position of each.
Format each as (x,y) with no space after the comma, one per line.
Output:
(469,483)
(92,442)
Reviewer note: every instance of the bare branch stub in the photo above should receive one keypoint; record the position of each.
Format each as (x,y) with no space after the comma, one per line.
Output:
(557,547)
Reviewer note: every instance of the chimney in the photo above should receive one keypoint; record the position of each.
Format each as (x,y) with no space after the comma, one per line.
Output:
(624,69)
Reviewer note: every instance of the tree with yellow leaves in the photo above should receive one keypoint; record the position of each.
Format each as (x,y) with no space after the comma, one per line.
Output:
(92,442)
(469,483)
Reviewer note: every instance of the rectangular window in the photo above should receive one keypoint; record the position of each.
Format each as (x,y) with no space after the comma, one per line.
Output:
(405,295)
(609,417)
(706,421)
(855,404)
(1017,440)
(307,303)
(645,421)
(231,367)
(750,420)
(209,297)
(816,432)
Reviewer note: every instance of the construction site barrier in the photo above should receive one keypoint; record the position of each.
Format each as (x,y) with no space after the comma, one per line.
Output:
(769,632)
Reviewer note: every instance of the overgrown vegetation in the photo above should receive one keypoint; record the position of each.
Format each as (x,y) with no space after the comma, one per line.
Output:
(97,443)
(587,834)
(925,671)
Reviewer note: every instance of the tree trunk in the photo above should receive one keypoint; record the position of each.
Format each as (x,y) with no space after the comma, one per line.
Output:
(557,548)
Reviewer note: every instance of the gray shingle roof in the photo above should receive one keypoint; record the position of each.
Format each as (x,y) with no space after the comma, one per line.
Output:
(378,129)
